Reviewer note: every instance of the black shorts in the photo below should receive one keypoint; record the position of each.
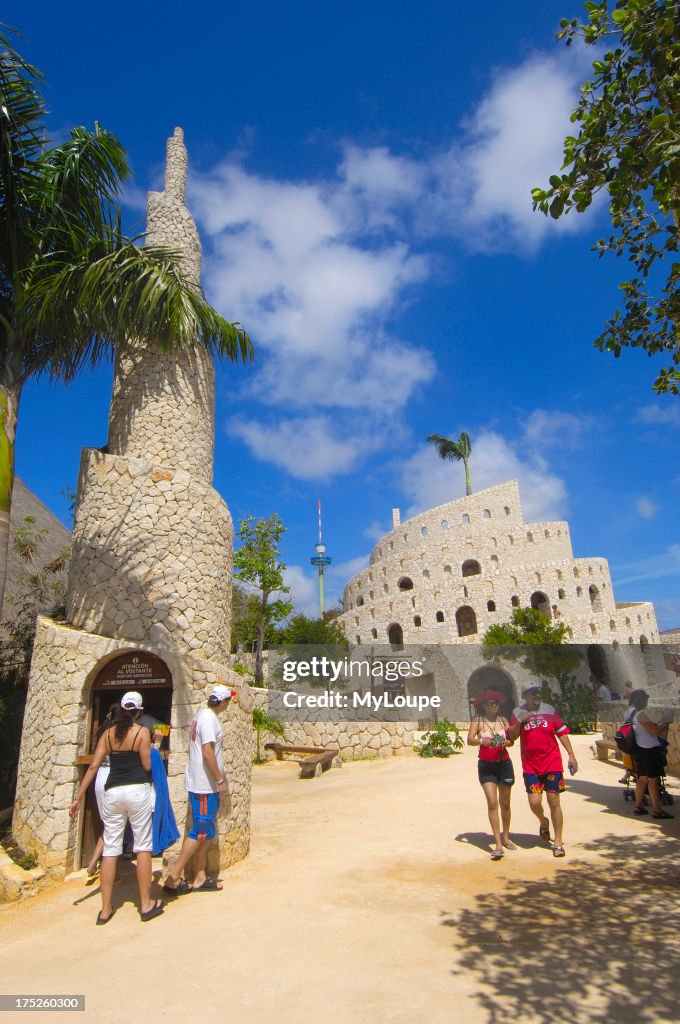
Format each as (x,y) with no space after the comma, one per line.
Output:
(649,761)
(500,772)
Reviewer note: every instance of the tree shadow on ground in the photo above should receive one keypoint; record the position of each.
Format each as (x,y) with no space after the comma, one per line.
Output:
(596,944)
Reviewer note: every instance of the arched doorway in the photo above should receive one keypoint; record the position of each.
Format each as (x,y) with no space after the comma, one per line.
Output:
(540,602)
(395,635)
(490,678)
(134,670)
(596,662)
(466,620)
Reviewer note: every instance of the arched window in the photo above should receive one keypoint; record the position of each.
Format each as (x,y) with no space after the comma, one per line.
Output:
(358,639)
(577,571)
(445,524)
(612,624)
(360,601)
(593,629)
(559,574)
(579,591)
(466,620)
(405,583)
(487,513)
(465,518)
(447,568)
(424,530)
(560,594)
(395,635)
(491,606)
(417,620)
(644,643)
(494,561)
(595,599)
(471,567)
(514,601)
(439,616)
(546,533)
(374,634)
(530,537)
(507,510)
(511,539)
(540,601)
(426,573)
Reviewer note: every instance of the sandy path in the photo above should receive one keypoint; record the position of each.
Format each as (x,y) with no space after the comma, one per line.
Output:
(369,895)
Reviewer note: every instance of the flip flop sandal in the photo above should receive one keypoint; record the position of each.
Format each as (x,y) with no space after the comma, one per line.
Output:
(544,834)
(155,911)
(497,855)
(510,845)
(104,920)
(640,810)
(181,889)
(558,851)
(661,814)
(210,885)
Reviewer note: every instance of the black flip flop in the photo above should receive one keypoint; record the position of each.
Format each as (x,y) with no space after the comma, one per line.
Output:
(104,920)
(181,889)
(210,885)
(155,911)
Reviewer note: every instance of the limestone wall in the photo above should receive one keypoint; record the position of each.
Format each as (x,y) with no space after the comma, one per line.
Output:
(163,408)
(152,557)
(56,729)
(448,574)
(356,740)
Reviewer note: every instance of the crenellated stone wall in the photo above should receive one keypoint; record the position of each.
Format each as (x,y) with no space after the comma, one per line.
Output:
(448,574)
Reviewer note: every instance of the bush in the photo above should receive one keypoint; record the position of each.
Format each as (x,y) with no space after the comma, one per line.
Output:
(575,705)
(441,741)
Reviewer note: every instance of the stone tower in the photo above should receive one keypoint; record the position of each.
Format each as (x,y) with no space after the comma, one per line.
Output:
(149,592)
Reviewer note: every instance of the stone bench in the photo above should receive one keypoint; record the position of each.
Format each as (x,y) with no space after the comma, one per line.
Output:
(602,748)
(318,759)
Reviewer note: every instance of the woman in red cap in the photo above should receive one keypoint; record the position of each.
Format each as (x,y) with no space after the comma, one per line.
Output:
(496,774)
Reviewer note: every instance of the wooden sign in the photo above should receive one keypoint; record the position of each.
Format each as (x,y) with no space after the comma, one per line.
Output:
(136,670)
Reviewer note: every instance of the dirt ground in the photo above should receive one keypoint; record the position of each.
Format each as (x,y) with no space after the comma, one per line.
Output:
(369,895)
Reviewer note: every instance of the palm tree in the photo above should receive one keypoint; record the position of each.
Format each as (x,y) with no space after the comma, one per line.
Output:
(72,286)
(454,451)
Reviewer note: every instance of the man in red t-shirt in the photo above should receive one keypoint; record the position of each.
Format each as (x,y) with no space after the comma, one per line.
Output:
(539,727)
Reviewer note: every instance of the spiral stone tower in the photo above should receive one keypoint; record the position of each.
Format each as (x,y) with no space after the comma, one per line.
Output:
(149,592)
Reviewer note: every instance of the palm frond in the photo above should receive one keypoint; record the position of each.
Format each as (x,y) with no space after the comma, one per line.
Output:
(83,310)
(22,114)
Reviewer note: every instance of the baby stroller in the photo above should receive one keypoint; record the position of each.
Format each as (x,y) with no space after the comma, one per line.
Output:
(631,779)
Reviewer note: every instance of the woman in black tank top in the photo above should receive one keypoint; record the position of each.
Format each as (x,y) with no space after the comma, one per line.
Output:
(127,796)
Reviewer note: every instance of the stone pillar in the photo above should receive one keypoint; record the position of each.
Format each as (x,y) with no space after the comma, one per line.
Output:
(151,571)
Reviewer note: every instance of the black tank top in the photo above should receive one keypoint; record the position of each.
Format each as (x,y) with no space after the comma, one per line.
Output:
(126,767)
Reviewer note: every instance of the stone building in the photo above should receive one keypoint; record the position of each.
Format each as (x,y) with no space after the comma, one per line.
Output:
(149,589)
(445,576)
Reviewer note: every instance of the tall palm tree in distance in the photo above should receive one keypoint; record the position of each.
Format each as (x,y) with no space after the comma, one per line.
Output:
(72,286)
(454,451)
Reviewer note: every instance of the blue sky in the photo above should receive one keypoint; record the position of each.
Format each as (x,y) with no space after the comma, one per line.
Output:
(360,175)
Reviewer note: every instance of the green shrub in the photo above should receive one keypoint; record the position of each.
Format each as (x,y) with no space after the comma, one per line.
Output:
(441,741)
(575,705)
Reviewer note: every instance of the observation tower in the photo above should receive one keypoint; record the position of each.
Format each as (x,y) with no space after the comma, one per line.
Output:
(321,560)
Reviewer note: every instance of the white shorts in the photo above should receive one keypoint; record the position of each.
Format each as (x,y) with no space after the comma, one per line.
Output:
(120,804)
(99,783)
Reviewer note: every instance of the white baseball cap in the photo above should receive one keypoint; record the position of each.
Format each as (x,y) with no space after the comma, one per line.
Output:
(219,693)
(132,701)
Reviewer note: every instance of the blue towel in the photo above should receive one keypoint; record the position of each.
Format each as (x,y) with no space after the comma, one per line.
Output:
(165,831)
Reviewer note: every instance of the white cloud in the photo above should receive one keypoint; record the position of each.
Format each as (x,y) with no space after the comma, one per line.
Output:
(646,508)
(345,570)
(376,530)
(512,143)
(653,568)
(304,590)
(316,270)
(546,429)
(655,414)
(429,481)
(305,446)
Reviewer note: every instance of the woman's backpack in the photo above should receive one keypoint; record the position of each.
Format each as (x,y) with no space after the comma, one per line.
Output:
(624,737)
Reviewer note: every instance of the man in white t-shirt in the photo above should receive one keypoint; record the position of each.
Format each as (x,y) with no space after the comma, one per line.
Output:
(207,786)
